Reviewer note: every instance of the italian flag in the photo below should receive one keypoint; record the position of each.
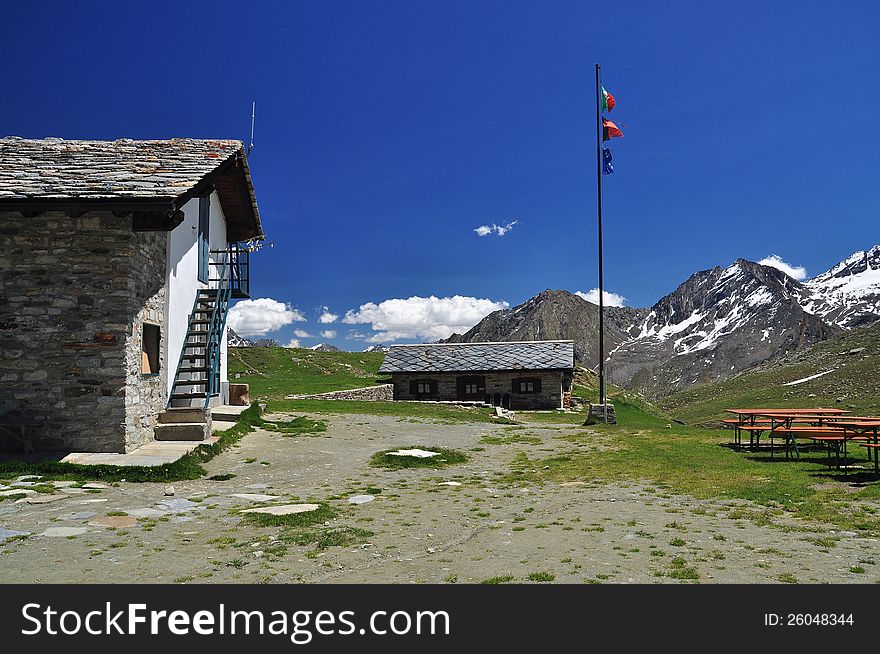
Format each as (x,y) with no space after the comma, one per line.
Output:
(607,100)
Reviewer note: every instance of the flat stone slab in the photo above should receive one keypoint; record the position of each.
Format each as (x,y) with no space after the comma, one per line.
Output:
(254,497)
(17,491)
(257,486)
(96,500)
(449,483)
(284,509)
(80,515)
(10,533)
(8,510)
(114,521)
(64,532)
(361,499)
(18,484)
(64,484)
(73,491)
(96,485)
(419,454)
(41,498)
(155,453)
(27,477)
(146,512)
(173,504)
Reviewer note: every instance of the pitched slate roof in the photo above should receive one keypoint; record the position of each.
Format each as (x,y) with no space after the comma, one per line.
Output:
(474,357)
(55,172)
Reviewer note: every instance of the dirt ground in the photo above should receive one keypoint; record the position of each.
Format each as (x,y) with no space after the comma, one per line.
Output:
(424,530)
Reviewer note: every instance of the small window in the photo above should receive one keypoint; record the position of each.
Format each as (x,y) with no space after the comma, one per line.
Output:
(150,349)
(470,389)
(424,388)
(526,386)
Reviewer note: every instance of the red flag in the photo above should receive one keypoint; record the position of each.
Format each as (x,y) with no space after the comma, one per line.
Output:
(610,130)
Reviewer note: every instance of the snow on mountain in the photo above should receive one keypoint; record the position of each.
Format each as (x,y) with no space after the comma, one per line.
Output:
(234,340)
(376,348)
(324,347)
(848,295)
(717,323)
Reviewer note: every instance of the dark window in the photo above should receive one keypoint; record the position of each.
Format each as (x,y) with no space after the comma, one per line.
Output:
(204,240)
(526,385)
(472,387)
(150,349)
(423,387)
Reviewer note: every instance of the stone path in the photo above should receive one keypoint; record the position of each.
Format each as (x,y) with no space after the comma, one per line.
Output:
(462,523)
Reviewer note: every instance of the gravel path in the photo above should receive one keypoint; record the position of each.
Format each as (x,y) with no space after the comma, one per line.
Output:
(458,524)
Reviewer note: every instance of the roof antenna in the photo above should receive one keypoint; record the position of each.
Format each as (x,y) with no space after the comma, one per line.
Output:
(253,113)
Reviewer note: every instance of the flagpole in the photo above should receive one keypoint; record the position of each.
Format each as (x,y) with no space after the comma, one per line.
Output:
(602,398)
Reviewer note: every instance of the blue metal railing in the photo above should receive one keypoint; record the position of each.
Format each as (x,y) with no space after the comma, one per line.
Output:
(217,326)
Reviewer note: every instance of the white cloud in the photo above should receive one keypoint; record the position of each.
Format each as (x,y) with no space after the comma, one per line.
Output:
(327,317)
(328,333)
(257,317)
(293,342)
(301,333)
(775,261)
(425,318)
(608,299)
(501,230)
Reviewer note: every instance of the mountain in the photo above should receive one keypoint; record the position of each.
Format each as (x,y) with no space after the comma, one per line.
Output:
(234,340)
(716,324)
(848,295)
(838,372)
(325,347)
(555,315)
(266,342)
(376,348)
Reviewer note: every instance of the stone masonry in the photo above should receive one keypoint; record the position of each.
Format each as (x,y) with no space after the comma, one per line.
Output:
(554,384)
(380,393)
(73,294)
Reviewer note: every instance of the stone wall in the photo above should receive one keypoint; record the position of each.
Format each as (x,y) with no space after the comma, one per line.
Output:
(72,294)
(145,394)
(553,384)
(382,392)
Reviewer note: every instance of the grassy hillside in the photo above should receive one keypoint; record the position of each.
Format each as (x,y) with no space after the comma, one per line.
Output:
(273,372)
(853,382)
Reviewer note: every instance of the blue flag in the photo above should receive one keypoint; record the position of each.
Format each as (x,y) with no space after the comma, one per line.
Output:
(607,166)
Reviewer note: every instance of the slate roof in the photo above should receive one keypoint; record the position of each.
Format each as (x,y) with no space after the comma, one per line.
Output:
(480,357)
(55,172)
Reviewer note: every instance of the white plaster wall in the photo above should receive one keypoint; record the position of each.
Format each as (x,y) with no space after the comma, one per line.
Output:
(217,241)
(183,279)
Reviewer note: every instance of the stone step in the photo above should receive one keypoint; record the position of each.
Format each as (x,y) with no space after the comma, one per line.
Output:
(181,431)
(183,414)
(226,413)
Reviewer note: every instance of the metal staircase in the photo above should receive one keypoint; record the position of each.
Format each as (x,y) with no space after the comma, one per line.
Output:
(197,378)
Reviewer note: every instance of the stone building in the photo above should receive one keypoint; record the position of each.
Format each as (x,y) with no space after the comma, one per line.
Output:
(515,375)
(117,264)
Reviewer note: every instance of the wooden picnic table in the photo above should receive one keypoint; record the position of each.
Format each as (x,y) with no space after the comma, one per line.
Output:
(860,428)
(756,421)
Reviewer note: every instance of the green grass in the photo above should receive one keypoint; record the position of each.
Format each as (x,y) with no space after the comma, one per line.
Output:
(503,579)
(446,458)
(541,576)
(323,513)
(440,413)
(297,426)
(187,467)
(274,372)
(333,537)
(854,380)
(692,461)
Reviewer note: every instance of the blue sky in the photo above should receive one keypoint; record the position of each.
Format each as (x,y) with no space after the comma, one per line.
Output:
(388,131)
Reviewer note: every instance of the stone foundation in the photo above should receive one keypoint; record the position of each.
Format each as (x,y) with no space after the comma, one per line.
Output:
(598,412)
(378,393)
